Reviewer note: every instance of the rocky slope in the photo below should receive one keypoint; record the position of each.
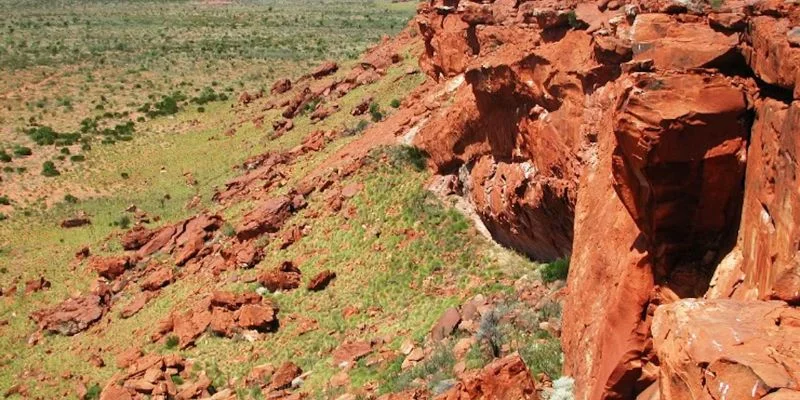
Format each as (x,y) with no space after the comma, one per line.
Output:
(653,143)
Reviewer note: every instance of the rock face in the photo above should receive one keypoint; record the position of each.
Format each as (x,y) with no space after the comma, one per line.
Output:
(680,157)
(764,263)
(653,143)
(728,349)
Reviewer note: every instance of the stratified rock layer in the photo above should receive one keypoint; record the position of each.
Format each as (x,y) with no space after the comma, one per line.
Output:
(652,142)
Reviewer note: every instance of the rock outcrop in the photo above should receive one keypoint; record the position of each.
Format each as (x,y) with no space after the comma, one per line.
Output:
(505,378)
(653,143)
(728,349)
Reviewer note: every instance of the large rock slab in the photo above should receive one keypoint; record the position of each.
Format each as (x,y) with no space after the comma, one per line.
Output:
(727,349)
(605,325)
(71,316)
(680,158)
(680,45)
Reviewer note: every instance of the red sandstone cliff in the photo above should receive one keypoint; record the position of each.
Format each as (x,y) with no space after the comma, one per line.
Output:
(653,142)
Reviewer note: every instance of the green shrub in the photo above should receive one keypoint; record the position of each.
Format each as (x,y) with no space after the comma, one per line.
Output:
(228,230)
(65,150)
(574,22)
(93,392)
(551,309)
(395,103)
(201,109)
(360,127)
(78,158)
(375,112)
(556,270)
(22,151)
(3,217)
(70,199)
(207,95)
(42,135)
(4,157)
(5,201)
(167,106)
(49,169)
(124,222)
(172,342)
(45,135)
(8,169)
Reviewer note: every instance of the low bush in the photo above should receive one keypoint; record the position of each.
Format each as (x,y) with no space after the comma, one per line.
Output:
(124,222)
(172,342)
(49,169)
(375,112)
(22,151)
(93,392)
(555,271)
(45,136)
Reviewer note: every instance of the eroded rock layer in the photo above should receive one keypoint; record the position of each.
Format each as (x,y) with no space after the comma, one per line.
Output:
(652,142)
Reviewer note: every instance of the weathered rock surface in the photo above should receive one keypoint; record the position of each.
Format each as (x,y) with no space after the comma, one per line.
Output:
(283,376)
(637,139)
(505,378)
(321,280)
(155,376)
(72,316)
(109,267)
(281,86)
(224,313)
(727,349)
(680,159)
(673,44)
(269,217)
(327,68)
(284,277)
